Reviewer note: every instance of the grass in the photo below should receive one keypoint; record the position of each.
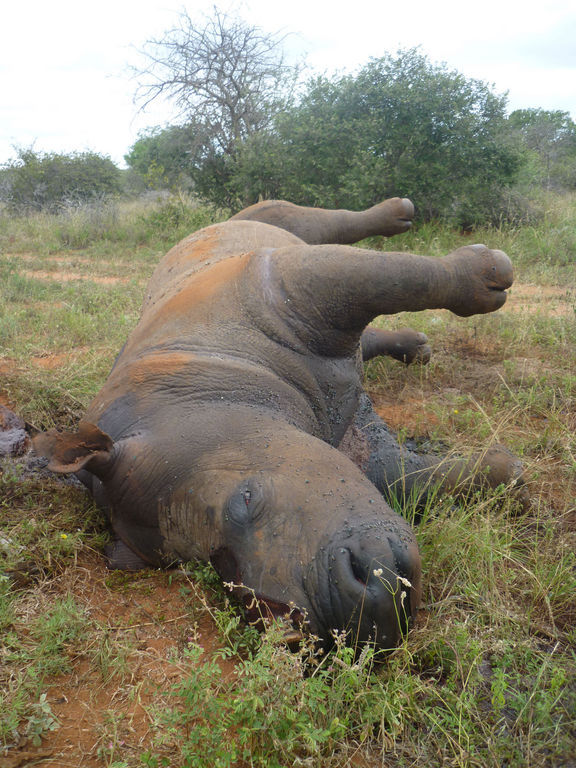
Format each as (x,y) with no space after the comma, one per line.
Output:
(160,668)
(111,228)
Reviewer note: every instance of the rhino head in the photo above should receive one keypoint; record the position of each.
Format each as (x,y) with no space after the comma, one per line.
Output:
(290,523)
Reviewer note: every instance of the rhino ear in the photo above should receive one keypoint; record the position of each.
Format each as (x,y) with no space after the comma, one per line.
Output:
(89,448)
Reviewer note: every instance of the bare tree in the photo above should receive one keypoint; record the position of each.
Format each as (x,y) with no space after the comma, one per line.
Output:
(227,79)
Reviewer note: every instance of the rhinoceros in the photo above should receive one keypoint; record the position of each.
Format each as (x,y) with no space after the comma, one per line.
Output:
(216,435)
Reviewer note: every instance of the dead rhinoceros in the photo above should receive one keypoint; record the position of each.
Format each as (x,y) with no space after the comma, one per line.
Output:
(216,434)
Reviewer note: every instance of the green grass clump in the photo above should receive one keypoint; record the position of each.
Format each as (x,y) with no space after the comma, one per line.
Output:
(33,652)
(116,223)
(43,525)
(280,707)
(442,698)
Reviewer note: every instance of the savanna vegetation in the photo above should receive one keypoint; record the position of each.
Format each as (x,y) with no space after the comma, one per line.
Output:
(249,126)
(158,668)
(35,181)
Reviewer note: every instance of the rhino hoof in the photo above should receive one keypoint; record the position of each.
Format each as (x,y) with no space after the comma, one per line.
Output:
(504,468)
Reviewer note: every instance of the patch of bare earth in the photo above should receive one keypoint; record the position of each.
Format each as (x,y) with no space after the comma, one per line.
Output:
(46,360)
(105,707)
(66,277)
(548,300)
(68,268)
(70,258)
(52,360)
(410,411)
(8,365)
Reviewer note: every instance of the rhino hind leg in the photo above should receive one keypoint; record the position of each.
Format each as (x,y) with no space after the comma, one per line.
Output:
(405,345)
(406,477)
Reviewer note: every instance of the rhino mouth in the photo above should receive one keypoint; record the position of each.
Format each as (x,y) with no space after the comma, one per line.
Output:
(259,609)
(361,588)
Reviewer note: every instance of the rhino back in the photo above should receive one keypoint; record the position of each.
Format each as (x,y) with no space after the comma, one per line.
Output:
(213,330)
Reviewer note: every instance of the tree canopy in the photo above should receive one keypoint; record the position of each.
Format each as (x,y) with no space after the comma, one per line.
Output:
(548,138)
(402,125)
(162,157)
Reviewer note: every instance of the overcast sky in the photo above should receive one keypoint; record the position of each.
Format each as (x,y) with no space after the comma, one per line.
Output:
(65,83)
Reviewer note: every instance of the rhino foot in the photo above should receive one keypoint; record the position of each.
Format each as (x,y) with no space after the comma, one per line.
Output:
(477,278)
(405,345)
(500,467)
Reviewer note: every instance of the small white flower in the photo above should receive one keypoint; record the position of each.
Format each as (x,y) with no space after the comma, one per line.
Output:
(378,572)
(404,581)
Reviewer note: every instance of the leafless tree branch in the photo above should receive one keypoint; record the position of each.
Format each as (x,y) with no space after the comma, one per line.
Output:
(225,75)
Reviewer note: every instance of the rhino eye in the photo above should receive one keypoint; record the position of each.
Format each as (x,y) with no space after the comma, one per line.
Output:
(246,504)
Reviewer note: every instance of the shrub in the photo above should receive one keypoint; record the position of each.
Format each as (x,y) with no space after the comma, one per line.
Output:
(49,182)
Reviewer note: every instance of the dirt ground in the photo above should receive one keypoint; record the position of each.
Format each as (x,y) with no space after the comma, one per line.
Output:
(146,614)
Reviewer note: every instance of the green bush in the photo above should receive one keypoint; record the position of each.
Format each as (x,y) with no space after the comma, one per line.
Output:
(401,126)
(49,182)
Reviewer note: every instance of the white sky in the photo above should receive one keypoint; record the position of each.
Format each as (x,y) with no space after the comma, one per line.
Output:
(65,84)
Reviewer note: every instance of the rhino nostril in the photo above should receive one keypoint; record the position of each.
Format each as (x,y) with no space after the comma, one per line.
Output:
(359,569)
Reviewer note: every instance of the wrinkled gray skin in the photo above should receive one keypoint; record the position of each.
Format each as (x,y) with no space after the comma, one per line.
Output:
(216,434)
(317,225)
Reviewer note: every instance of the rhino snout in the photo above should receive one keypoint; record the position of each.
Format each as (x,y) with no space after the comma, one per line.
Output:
(368,587)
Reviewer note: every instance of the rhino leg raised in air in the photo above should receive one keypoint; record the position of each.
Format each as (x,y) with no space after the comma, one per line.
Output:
(318,225)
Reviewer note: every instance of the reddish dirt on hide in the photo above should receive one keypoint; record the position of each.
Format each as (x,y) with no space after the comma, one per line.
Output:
(200,288)
(200,247)
(153,367)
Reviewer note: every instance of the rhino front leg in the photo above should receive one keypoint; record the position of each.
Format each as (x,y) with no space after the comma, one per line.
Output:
(405,345)
(402,475)
(327,295)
